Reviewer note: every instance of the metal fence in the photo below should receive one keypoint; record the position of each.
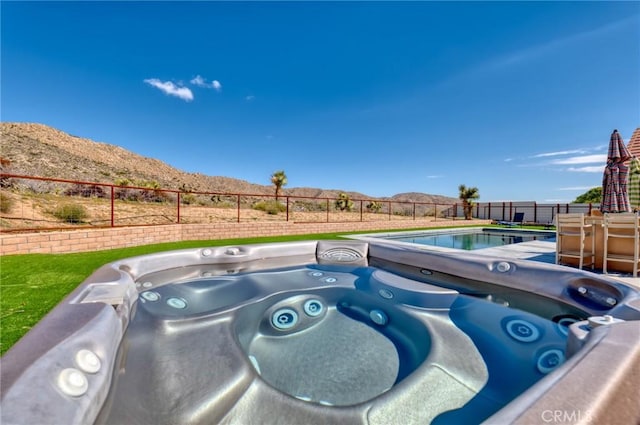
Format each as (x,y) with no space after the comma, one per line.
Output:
(29,203)
(533,211)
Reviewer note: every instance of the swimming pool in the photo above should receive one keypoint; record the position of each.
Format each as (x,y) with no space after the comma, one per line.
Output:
(328,332)
(467,238)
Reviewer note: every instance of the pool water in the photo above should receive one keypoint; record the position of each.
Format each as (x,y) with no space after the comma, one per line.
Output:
(472,239)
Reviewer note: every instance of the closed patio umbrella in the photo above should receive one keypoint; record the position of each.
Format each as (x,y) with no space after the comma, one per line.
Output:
(615,197)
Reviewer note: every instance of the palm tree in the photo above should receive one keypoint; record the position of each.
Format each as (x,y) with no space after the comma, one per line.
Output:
(279,179)
(467,195)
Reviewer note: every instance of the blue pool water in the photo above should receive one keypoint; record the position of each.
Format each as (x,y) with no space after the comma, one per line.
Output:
(471,239)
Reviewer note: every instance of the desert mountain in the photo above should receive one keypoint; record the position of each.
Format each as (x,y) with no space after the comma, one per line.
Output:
(40,150)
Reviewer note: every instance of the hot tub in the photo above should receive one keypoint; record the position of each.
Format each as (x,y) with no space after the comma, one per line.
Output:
(329,332)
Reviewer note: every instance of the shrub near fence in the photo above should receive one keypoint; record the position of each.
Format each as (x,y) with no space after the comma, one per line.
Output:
(39,203)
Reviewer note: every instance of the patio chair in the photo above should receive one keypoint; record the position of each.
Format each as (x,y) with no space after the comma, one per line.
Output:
(572,232)
(622,226)
(518,219)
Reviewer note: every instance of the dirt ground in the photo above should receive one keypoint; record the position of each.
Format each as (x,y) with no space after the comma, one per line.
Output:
(31,211)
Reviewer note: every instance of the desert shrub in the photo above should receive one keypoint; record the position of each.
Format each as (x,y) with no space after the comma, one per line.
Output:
(5,167)
(270,207)
(153,196)
(150,191)
(309,206)
(188,198)
(123,181)
(125,195)
(140,195)
(6,203)
(71,213)
(405,212)
(6,182)
(86,191)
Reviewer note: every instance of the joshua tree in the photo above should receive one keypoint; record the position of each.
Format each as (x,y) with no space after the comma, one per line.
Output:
(279,179)
(374,206)
(467,195)
(344,203)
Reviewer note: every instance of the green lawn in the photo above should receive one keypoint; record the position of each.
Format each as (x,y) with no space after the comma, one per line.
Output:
(31,285)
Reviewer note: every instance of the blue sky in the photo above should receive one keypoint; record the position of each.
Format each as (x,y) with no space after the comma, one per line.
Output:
(515,98)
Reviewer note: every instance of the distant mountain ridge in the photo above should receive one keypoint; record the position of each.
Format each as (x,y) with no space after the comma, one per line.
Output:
(39,150)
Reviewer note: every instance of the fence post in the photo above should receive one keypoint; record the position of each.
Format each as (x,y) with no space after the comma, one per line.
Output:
(178,202)
(113,197)
(360,210)
(238,205)
(287,208)
(327,210)
(414,211)
(389,202)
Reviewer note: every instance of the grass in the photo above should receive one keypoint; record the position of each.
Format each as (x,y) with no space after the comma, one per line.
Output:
(32,284)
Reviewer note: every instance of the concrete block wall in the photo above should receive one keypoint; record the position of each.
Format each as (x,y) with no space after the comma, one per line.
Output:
(120,237)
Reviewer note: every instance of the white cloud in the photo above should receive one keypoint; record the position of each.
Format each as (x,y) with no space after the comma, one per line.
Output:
(576,188)
(586,159)
(543,155)
(171,89)
(249,98)
(435,177)
(541,50)
(202,82)
(198,81)
(591,169)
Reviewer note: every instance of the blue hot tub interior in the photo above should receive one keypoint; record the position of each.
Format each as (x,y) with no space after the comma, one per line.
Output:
(328,336)
(318,332)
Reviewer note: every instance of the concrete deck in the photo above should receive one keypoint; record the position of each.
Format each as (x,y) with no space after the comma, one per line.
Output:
(545,251)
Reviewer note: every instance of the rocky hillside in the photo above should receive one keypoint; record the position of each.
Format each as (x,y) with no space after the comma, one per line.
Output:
(39,150)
